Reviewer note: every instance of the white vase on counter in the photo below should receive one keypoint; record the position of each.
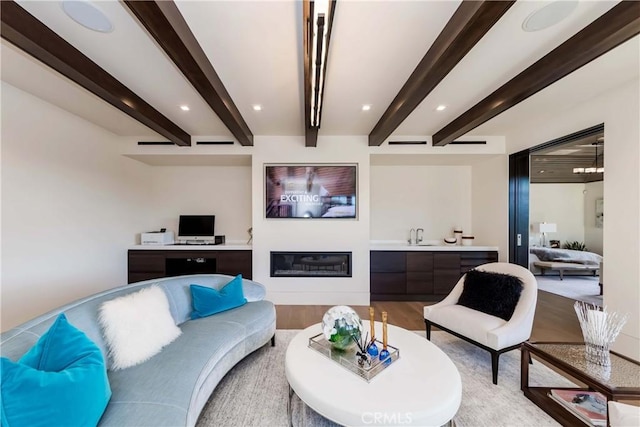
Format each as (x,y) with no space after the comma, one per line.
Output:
(467,240)
(457,233)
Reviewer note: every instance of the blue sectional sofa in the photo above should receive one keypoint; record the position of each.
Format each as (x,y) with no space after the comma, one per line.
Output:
(173,386)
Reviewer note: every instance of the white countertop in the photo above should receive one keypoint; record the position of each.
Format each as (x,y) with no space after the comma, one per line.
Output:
(398,245)
(223,247)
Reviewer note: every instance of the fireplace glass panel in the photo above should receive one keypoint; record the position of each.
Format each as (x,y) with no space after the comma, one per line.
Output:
(310,264)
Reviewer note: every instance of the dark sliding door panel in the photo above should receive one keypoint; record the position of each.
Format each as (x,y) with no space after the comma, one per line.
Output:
(519,208)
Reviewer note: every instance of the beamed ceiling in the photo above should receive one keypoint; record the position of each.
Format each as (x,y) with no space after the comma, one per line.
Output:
(403,58)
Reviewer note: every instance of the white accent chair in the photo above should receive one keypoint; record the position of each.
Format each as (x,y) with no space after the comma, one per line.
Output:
(488,332)
(623,415)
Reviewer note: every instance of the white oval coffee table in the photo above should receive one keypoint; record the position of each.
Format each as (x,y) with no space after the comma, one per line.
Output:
(421,388)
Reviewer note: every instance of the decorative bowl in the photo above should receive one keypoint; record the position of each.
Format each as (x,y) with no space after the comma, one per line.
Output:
(340,325)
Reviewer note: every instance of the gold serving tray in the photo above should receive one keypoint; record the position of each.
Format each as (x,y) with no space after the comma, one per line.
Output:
(349,360)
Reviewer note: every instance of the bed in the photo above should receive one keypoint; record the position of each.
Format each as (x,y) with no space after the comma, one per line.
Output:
(542,259)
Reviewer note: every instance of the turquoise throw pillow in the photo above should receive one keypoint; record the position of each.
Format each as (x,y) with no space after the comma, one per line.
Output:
(208,301)
(62,380)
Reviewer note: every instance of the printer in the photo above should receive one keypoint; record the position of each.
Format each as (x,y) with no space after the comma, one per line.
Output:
(157,238)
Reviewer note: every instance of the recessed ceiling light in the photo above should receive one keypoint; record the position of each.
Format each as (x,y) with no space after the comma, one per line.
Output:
(366,107)
(441,107)
(87,15)
(549,15)
(257,107)
(184,108)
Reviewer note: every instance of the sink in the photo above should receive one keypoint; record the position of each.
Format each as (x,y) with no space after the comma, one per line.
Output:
(430,243)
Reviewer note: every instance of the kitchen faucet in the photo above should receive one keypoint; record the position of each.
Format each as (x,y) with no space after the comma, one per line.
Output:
(411,238)
(419,235)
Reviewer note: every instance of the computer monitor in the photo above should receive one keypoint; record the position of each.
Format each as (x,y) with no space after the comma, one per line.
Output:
(196,228)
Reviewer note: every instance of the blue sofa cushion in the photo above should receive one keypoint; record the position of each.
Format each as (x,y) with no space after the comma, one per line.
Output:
(61,380)
(492,293)
(207,301)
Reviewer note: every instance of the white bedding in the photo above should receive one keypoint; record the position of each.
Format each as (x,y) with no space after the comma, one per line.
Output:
(566,255)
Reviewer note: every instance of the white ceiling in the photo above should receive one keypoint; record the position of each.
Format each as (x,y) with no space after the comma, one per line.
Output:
(256,49)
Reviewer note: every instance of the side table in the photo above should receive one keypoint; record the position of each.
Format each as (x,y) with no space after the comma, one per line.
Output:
(620,381)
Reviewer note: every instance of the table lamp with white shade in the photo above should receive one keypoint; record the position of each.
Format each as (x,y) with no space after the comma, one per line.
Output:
(544,228)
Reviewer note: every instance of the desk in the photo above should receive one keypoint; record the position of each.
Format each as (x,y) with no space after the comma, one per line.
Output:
(152,262)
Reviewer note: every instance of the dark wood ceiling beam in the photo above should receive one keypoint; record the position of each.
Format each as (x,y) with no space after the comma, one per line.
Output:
(618,25)
(470,22)
(29,34)
(167,26)
(311,131)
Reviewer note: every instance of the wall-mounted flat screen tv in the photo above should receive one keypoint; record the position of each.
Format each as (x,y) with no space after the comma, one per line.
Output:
(311,191)
(196,227)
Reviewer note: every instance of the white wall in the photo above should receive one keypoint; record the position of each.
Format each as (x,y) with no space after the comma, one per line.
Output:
(621,241)
(490,204)
(619,111)
(560,204)
(71,204)
(593,236)
(312,235)
(435,198)
(224,191)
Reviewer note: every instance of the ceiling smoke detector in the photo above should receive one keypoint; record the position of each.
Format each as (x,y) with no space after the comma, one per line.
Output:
(549,15)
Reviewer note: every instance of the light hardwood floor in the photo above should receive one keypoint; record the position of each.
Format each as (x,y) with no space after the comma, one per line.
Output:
(555,319)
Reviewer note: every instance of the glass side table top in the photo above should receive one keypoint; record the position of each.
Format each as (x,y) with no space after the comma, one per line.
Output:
(622,373)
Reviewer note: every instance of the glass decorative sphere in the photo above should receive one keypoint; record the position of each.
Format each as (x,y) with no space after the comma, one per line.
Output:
(339,325)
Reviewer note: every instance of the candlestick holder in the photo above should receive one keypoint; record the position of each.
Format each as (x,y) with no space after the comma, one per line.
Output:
(372,348)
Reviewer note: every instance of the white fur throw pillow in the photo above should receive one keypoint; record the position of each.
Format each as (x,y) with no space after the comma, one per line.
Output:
(137,326)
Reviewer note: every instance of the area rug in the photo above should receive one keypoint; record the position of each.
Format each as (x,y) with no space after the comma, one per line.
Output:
(579,288)
(255,392)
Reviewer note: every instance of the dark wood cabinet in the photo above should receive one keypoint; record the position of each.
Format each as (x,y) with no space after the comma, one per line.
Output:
(389,283)
(421,275)
(446,272)
(388,262)
(388,273)
(235,262)
(153,264)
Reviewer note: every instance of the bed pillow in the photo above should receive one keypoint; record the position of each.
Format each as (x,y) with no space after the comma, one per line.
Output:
(496,294)
(137,326)
(61,380)
(207,301)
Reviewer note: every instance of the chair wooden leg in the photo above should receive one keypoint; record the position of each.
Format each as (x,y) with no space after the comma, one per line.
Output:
(273,340)
(530,359)
(494,366)
(427,325)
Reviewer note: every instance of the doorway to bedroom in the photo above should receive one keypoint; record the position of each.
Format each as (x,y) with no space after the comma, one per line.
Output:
(565,200)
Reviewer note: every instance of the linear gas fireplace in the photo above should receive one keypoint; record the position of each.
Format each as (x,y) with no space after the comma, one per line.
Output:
(310,264)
